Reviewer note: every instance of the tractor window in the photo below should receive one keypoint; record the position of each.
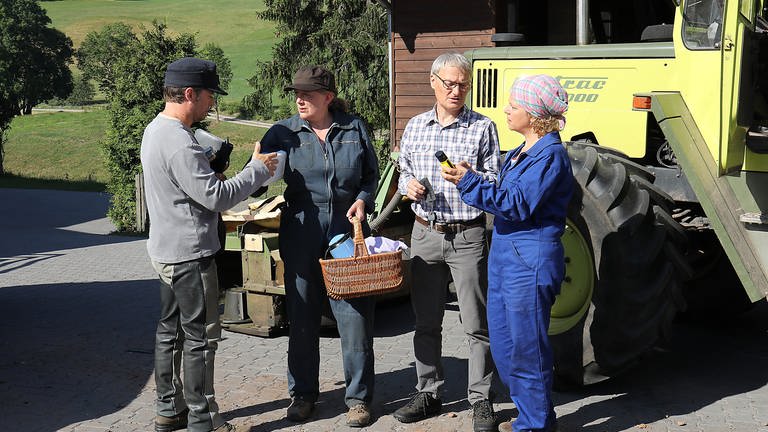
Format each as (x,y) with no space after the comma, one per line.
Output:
(553,22)
(702,24)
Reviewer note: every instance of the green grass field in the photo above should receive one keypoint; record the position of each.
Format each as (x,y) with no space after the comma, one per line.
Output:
(231,24)
(57,146)
(61,150)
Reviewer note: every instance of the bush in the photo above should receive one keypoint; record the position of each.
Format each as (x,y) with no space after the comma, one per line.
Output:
(282,111)
(230,108)
(82,92)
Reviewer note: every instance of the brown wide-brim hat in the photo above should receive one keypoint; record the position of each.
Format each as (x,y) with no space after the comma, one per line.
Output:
(313,78)
(193,72)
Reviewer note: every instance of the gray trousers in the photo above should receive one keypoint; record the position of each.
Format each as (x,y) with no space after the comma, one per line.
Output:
(435,258)
(188,329)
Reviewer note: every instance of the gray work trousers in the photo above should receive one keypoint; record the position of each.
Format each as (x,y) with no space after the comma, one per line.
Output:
(435,258)
(188,328)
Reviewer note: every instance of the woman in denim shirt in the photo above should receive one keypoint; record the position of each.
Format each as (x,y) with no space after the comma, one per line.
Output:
(526,263)
(331,173)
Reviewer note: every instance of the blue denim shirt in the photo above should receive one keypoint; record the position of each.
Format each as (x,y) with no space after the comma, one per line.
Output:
(530,198)
(339,172)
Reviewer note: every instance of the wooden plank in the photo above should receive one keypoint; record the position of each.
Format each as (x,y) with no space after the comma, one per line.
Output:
(408,112)
(446,42)
(398,137)
(414,89)
(142,214)
(403,78)
(446,31)
(408,65)
(413,101)
(401,123)
(426,55)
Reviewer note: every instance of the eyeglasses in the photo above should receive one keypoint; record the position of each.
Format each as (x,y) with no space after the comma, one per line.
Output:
(450,85)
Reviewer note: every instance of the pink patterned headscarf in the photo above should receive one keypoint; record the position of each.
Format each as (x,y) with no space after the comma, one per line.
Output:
(541,96)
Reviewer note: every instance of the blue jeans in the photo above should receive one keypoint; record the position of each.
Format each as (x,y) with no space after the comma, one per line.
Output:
(303,240)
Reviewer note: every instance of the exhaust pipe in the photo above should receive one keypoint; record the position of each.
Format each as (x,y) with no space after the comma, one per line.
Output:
(582,22)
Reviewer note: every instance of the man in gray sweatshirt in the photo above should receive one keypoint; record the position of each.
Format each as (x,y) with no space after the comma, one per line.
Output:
(184,196)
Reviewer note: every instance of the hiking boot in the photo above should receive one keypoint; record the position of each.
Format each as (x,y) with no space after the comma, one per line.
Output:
(359,416)
(299,410)
(423,405)
(483,419)
(226,427)
(169,424)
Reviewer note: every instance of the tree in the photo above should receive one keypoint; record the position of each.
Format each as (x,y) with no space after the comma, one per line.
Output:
(130,70)
(215,54)
(82,92)
(34,61)
(100,52)
(349,37)
(46,75)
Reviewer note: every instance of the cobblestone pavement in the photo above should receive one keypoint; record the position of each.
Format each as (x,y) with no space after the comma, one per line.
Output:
(78,308)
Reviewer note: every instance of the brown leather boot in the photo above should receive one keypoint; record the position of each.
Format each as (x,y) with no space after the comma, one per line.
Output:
(359,416)
(170,424)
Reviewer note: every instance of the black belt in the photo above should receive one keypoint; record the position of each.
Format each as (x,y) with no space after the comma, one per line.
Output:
(453,227)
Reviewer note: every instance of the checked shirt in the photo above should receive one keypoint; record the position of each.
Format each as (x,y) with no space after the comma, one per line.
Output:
(472,137)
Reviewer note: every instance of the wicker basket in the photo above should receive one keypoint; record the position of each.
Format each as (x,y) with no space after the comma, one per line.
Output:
(362,274)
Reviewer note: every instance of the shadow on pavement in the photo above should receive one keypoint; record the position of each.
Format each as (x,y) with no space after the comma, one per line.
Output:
(703,363)
(73,352)
(394,317)
(393,389)
(61,220)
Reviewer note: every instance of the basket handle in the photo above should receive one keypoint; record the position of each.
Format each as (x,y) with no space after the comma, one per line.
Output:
(361,249)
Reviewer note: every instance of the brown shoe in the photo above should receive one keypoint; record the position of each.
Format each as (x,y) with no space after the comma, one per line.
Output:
(226,427)
(359,416)
(170,424)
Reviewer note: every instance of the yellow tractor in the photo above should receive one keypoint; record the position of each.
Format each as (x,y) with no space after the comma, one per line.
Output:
(668,137)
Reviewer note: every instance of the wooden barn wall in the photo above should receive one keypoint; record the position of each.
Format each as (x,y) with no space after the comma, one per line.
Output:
(421,31)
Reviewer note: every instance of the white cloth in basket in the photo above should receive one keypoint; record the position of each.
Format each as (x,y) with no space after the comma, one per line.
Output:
(377,245)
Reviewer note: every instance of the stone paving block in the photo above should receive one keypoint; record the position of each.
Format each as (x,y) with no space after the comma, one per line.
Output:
(739,416)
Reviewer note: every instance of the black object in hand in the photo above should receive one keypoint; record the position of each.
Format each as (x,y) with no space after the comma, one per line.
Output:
(429,195)
(217,150)
(444,159)
(220,161)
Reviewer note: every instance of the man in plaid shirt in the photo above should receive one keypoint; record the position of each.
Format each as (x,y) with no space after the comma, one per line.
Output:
(448,239)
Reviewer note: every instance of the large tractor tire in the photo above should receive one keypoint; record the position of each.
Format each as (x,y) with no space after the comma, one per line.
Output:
(623,265)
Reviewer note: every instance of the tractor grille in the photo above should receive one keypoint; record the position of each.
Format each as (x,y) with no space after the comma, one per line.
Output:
(486,84)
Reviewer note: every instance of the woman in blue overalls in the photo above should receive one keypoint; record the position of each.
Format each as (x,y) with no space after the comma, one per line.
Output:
(526,262)
(330,175)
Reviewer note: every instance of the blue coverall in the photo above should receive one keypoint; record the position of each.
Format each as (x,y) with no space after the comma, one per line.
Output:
(322,181)
(525,268)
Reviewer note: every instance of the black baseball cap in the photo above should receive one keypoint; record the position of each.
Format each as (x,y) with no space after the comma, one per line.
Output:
(193,72)
(311,78)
